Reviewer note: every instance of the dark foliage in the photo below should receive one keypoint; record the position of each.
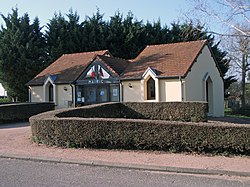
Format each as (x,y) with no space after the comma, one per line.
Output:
(25,49)
(22,111)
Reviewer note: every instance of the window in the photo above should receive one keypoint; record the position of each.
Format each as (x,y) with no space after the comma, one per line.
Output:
(97,93)
(51,93)
(150,89)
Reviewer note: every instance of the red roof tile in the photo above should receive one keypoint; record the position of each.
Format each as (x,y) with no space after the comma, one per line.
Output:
(116,65)
(169,60)
(68,67)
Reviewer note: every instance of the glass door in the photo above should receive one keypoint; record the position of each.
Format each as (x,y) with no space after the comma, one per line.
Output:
(90,94)
(102,94)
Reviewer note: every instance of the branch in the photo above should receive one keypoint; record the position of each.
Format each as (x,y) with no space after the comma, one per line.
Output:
(226,22)
(239,9)
(229,35)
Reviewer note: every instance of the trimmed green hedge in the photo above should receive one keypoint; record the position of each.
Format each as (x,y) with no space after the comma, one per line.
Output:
(173,111)
(22,111)
(142,135)
(101,126)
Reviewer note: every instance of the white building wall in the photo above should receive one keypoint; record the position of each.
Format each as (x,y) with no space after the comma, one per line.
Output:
(36,94)
(170,90)
(134,93)
(195,83)
(63,96)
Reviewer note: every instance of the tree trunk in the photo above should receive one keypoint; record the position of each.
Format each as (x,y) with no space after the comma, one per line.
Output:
(243,80)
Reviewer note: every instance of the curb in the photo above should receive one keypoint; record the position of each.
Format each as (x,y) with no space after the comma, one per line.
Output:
(129,166)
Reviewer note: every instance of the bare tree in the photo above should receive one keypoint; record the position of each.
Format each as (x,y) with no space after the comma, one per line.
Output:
(239,52)
(226,13)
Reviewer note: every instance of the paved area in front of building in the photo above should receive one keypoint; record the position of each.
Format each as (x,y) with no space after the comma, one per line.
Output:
(15,142)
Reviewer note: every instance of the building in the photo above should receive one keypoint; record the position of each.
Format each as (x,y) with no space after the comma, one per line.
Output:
(184,71)
(3,92)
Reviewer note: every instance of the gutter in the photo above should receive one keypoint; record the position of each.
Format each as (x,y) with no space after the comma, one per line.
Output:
(73,94)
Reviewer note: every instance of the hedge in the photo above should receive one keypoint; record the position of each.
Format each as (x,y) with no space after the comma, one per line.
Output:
(22,111)
(108,130)
(173,111)
(142,135)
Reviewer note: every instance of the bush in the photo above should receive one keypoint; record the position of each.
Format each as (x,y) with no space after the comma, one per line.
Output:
(22,111)
(142,135)
(173,111)
(103,126)
(5,100)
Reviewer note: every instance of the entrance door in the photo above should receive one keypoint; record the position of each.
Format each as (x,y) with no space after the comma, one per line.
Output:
(90,94)
(102,94)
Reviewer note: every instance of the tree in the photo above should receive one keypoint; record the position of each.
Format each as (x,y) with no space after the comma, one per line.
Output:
(239,53)
(226,13)
(94,32)
(22,53)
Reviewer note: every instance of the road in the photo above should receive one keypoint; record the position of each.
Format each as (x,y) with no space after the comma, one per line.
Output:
(29,173)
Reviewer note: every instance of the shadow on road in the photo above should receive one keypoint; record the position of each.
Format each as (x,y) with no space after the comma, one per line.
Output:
(14,125)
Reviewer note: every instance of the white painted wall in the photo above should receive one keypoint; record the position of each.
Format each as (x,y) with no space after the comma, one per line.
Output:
(195,89)
(134,94)
(170,90)
(36,94)
(2,91)
(63,96)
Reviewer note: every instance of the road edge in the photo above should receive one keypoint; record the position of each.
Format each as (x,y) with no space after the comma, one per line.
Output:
(158,168)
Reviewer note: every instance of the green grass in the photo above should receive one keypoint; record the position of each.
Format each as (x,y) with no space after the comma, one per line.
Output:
(237,116)
(3,100)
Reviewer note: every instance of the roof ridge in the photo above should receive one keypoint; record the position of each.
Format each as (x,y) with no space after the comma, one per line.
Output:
(113,57)
(105,50)
(177,43)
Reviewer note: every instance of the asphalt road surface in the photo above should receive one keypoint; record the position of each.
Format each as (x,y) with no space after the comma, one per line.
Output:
(29,173)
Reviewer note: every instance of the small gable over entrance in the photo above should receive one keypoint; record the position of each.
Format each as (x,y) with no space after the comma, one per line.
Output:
(100,81)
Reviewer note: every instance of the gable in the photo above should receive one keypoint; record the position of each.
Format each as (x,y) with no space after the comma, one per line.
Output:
(68,67)
(205,65)
(168,60)
(96,70)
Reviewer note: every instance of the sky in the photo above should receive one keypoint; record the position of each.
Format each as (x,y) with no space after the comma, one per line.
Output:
(151,10)
(148,10)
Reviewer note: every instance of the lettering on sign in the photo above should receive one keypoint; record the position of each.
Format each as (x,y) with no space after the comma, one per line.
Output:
(95,81)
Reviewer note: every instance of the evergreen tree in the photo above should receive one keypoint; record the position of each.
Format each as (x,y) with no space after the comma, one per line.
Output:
(56,37)
(22,53)
(94,32)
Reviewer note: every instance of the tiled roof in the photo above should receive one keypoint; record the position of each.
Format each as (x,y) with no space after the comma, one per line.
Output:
(117,65)
(67,68)
(169,60)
